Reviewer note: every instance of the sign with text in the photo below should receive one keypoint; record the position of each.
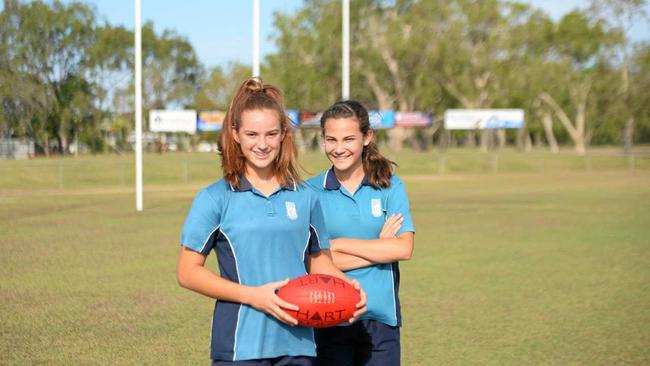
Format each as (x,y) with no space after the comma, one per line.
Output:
(412,119)
(210,121)
(172,121)
(310,119)
(478,119)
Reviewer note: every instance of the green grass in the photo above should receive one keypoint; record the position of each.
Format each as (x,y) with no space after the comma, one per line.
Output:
(545,261)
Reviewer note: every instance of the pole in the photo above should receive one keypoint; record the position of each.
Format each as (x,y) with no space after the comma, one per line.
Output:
(256,38)
(346,50)
(138,105)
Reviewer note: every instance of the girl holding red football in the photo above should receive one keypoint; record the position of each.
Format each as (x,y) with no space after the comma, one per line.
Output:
(265,227)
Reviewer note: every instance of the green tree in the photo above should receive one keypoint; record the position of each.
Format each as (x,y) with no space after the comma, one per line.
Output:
(639,90)
(217,89)
(577,44)
(307,64)
(621,14)
(49,47)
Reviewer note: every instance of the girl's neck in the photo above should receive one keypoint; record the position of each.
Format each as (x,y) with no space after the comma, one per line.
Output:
(263,180)
(350,178)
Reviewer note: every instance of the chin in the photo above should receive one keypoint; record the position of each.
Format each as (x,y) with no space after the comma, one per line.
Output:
(341,166)
(262,164)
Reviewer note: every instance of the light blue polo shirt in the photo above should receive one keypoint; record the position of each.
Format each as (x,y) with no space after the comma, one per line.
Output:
(257,240)
(361,215)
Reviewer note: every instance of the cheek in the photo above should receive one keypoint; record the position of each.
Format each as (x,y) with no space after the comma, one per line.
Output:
(329,147)
(275,141)
(354,146)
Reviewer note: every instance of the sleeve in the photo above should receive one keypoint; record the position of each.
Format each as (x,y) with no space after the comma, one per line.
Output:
(315,183)
(318,237)
(397,202)
(202,223)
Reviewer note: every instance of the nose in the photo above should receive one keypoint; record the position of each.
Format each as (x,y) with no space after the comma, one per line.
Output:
(338,148)
(261,143)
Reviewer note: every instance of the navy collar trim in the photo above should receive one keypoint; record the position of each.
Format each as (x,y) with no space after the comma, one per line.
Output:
(330,182)
(245,185)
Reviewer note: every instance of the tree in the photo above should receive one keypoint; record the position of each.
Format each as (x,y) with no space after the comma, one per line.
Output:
(49,48)
(217,89)
(577,43)
(639,86)
(171,70)
(307,64)
(622,13)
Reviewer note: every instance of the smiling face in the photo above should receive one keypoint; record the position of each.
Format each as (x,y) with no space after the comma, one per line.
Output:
(259,137)
(344,144)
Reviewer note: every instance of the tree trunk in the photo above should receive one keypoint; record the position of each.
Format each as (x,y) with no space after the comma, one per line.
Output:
(427,135)
(537,140)
(501,137)
(63,139)
(547,122)
(470,138)
(46,145)
(577,131)
(580,145)
(628,135)
(485,140)
(298,140)
(519,140)
(528,143)
(396,137)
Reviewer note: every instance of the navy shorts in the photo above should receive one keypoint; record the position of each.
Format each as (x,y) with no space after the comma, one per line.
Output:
(278,361)
(364,343)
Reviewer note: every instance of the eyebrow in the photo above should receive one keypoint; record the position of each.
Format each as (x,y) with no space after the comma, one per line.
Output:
(344,137)
(273,130)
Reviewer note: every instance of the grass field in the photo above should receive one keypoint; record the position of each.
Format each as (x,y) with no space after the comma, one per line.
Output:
(521,259)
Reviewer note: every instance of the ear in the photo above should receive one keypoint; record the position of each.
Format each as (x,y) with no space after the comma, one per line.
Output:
(235,136)
(367,139)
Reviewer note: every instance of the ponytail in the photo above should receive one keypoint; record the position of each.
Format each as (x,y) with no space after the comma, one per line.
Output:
(378,169)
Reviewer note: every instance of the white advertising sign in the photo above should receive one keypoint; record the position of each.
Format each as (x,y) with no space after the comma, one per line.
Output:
(172,121)
(478,119)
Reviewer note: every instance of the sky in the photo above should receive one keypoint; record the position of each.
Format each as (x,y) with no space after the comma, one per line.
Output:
(221,30)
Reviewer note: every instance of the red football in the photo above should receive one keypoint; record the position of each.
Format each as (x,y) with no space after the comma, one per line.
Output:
(323,300)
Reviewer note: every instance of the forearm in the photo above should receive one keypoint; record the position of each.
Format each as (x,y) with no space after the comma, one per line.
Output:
(322,263)
(206,283)
(386,250)
(191,274)
(346,262)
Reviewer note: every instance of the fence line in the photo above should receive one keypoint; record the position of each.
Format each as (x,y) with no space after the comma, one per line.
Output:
(91,173)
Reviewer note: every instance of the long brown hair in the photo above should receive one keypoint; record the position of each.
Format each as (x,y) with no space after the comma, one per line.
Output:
(253,94)
(377,168)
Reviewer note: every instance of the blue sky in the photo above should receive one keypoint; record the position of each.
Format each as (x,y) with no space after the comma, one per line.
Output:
(221,30)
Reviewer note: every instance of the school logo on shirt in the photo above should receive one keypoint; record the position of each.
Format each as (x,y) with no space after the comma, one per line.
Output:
(375,205)
(292,213)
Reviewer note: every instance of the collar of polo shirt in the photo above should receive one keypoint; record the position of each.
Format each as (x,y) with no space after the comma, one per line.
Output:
(332,183)
(245,185)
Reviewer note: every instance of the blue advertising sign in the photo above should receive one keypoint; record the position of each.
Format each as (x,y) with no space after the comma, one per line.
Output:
(294,117)
(381,119)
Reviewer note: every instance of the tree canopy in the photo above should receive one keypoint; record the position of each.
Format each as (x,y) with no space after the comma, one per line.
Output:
(66,76)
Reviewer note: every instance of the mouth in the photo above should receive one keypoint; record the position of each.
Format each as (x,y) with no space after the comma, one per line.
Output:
(261,155)
(340,158)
